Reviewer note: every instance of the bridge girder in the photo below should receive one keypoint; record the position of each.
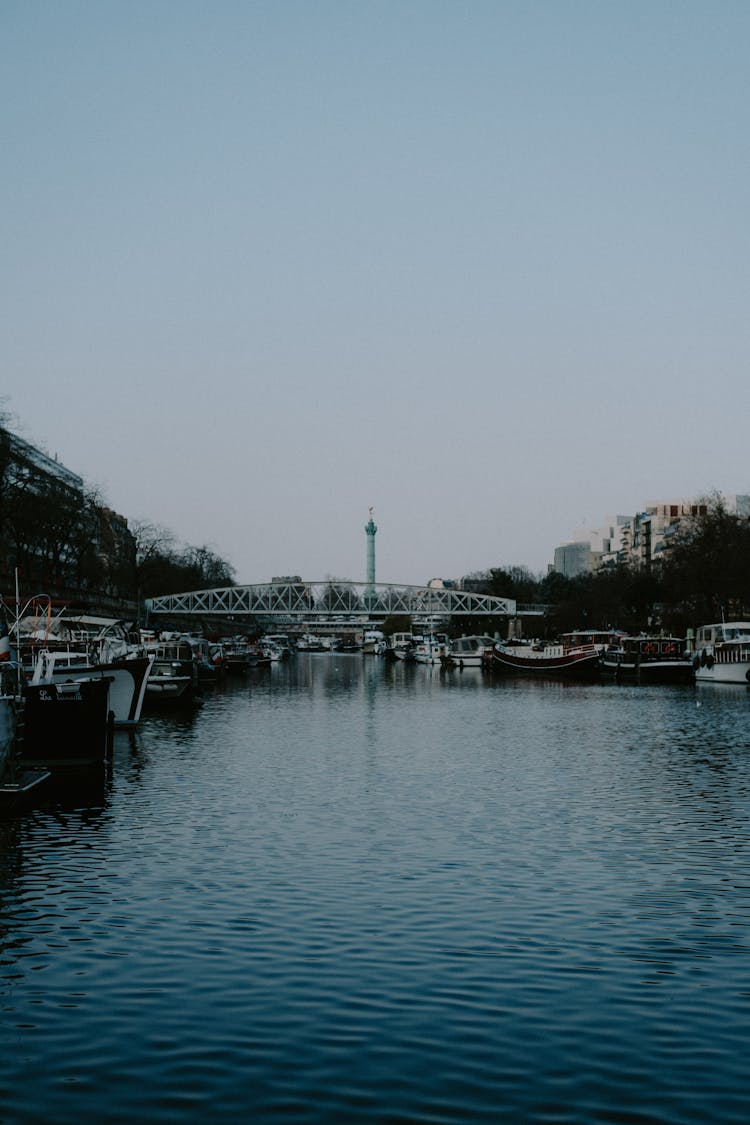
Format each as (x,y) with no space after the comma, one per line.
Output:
(326,599)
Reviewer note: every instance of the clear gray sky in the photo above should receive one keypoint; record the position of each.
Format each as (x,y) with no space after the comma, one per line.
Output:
(482,265)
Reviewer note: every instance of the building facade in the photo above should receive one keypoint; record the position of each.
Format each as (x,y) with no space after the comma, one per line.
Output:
(51,529)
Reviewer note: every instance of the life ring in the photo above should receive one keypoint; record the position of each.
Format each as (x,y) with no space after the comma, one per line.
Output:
(671,649)
(649,648)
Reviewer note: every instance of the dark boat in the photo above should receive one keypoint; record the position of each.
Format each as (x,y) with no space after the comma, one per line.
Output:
(652,660)
(569,661)
(67,724)
(16,780)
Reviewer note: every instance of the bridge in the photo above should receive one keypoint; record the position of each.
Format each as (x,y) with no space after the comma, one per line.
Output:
(348,602)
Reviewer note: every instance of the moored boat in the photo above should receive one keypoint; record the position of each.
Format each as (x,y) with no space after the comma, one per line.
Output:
(430,649)
(401,646)
(127,677)
(67,724)
(16,781)
(555,660)
(373,642)
(309,642)
(722,653)
(467,652)
(648,660)
(174,673)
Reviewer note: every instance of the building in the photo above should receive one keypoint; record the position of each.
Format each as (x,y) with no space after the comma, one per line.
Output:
(22,462)
(589,547)
(52,531)
(574,558)
(638,540)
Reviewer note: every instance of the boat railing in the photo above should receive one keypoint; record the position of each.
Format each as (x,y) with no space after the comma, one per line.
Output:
(732,652)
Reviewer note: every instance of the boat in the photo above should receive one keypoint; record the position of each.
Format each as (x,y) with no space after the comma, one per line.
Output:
(373,642)
(309,642)
(722,653)
(271,650)
(401,646)
(281,645)
(232,654)
(350,644)
(127,677)
(67,724)
(430,649)
(467,652)
(258,656)
(648,660)
(174,673)
(209,669)
(16,781)
(556,660)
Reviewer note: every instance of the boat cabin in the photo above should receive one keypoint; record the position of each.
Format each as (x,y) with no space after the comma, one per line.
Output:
(737,631)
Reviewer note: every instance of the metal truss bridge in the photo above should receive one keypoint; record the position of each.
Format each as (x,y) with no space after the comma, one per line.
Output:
(345,601)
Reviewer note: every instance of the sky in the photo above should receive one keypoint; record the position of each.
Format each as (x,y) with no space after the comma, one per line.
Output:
(483,266)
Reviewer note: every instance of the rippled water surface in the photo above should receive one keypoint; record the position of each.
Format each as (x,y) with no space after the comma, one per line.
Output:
(341,891)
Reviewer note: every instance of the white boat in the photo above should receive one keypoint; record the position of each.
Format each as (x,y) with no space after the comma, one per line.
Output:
(722,653)
(373,642)
(431,649)
(128,678)
(467,652)
(309,642)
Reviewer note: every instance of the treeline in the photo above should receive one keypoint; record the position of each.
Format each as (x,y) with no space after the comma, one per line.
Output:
(65,541)
(702,575)
(163,566)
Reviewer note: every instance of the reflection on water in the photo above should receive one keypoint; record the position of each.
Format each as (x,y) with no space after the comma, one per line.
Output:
(344,891)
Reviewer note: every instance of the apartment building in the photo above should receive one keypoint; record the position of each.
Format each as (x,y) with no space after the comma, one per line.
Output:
(638,540)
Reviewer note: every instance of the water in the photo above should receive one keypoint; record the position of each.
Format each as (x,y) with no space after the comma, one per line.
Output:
(346,892)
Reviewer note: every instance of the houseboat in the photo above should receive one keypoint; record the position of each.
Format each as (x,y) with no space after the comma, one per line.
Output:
(654,660)
(550,660)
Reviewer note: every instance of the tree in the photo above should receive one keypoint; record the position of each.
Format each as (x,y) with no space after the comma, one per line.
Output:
(707,566)
(162,568)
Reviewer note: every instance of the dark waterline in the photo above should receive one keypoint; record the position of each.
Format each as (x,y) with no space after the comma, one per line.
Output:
(341,891)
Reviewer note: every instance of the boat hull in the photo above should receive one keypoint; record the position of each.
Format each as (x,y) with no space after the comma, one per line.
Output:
(67,724)
(581,665)
(734,673)
(170,689)
(649,672)
(127,680)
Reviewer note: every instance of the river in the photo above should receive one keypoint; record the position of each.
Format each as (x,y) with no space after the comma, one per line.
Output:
(341,891)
